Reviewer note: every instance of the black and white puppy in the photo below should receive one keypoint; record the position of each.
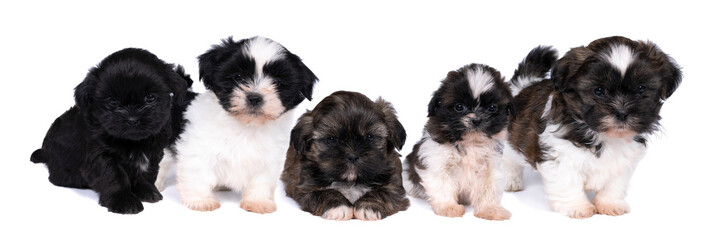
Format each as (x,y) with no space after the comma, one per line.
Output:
(342,161)
(112,140)
(458,159)
(237,131)
(585,127)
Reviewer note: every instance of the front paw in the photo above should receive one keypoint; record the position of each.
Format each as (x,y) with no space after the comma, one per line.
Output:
(493,213)
(258,206)
(340,213)
(513,185)
(578,211)
(123,203)
(147,193)
(367,214)
(612,208)
(203,205)
(449,210)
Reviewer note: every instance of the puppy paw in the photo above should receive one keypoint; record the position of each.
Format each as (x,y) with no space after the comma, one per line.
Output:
(367,214)
(340,213)
(577,211)
(450,210)
(613,208)
(493,213)
(160,185)
(258,206)
(123,203)
(147,193)
(513,185)
(203,205)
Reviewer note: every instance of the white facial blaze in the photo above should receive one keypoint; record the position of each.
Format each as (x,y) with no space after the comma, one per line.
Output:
(263,51)
(480,81)
(620,56)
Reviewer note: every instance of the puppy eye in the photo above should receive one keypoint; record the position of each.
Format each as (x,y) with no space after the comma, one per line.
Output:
(460,108)
(113,102)
(238,78)
(492,108)
(641,89)
(370,138)
(331,141)
(150,98)
(600,91)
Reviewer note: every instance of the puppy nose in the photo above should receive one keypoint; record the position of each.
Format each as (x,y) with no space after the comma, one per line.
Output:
(476,122)
(622,116)
(132,121)
(353,158)
(254,99)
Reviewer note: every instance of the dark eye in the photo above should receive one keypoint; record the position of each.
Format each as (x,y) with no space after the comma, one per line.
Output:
(492,108)
(460,108)
(370,138)
(238,78)
(641,89)
(600,91)
(331,141)
(150,98)
(113,102)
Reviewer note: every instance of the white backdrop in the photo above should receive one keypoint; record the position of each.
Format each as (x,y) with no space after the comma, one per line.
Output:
(396,50)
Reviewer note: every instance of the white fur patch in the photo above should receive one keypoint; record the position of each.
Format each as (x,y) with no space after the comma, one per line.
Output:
(620,56)
(522,82)
(480,81)
(242,157)
(263,50)
(351,191)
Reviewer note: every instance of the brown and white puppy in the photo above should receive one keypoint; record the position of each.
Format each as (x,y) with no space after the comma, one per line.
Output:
(585,127)
(342,161)
(458,159)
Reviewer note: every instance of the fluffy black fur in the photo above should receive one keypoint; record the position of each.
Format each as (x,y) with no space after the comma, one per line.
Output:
(350,141)
(112,140)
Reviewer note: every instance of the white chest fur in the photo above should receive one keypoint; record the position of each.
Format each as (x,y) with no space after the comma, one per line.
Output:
(617,159)
(351,191)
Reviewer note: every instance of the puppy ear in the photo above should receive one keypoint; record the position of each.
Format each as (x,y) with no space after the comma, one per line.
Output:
(512,110)
(179,84)
(301,134)
(306,77)
(210,60)
(565,69)
(433,105)
(671,74)
(84,90)
(396,131)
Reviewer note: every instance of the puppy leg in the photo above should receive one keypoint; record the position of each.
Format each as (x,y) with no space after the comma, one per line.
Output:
(486,195)
(258,195)
(329,204)
(195,183)
(442,194)
(166,165)
(513,166)
(112,184)
(611,199)
(565,189)
(380,203)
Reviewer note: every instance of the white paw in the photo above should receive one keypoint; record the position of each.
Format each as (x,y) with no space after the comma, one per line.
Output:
(366,214)
(584,210)
(514,184)
(612,208)
(340,213)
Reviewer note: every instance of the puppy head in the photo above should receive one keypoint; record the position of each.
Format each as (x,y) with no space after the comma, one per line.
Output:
(349,137)
(130,93)
(256,78)
(471,100)
(616,85)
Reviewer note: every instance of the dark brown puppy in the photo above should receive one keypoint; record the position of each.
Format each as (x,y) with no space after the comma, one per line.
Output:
(342,161)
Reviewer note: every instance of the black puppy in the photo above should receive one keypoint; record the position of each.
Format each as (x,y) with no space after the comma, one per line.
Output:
(112,140)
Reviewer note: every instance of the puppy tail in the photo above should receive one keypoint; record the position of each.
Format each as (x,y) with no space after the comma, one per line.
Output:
(38,156)
(533,68)
(180,70)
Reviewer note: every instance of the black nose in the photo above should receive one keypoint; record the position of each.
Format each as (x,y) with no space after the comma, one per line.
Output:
(352,158)
(622,116)
(132,121)
(476,122)
(254,99)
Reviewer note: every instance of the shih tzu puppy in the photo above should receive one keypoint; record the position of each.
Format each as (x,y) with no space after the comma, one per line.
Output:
(112,140)
(585,127)
(457,162)
(342,162)
(237,131)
